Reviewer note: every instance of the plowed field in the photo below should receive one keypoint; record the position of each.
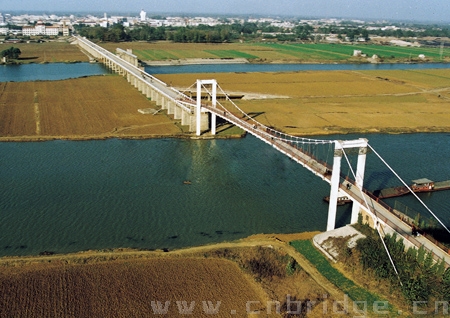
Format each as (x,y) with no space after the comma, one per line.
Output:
(138,288)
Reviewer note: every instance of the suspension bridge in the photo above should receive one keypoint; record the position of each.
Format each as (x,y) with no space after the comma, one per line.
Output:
(200,115)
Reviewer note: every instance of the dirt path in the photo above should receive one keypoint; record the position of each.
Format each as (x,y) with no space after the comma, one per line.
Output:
(37,114)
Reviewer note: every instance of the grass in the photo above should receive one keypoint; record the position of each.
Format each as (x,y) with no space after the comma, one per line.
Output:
(355,292)
(230,54)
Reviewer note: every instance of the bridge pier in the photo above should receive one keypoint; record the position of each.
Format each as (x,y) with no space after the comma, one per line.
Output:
(177,113)
(185,119)
(336,176)
(171,108)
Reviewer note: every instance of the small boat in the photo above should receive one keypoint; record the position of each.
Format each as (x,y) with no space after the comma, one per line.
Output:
(340,200)
(187,182)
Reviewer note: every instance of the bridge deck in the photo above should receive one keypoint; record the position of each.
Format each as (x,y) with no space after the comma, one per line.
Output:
(377,207)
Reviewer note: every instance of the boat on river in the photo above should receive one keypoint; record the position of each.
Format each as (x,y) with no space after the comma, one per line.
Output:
(340,200)
(417,186)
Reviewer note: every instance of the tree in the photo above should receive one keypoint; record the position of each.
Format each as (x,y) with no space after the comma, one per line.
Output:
(11,53)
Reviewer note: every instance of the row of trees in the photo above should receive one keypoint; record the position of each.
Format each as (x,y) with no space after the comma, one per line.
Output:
(200,34)
(232,32)
(422,278)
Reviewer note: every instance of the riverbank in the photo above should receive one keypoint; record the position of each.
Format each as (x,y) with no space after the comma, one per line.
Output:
(196,61)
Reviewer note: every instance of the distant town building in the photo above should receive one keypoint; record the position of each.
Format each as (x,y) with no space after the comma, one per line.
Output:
(143,15)
(2,19)
(40,29)
(65,29)
(104,22)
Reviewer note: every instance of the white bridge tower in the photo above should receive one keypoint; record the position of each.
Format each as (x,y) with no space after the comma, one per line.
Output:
(198,110)
(336,175)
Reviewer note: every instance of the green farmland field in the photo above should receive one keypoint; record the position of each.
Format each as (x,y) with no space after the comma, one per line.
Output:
(280,52)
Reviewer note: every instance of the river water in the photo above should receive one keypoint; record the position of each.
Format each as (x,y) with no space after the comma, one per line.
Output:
(67,196)
(49,72)
(227,68)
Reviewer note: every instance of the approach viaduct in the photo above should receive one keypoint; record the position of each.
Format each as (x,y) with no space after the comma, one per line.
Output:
(181,106)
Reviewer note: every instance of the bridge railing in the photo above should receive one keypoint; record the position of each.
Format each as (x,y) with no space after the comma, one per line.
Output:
(406,220)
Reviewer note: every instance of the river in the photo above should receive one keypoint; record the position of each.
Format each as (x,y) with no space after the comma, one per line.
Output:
(67,196)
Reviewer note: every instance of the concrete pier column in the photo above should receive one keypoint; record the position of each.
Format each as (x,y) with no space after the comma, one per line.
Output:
(170,107)
(153,95)
(159,101)
(177,111)
(148,91)
(128,77)
(335,180)
(185,117)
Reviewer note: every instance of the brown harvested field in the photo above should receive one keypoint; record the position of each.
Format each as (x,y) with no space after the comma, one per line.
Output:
(322,102)
(127,288)
(92,107)
(310,103)
(60,51)
(252,274)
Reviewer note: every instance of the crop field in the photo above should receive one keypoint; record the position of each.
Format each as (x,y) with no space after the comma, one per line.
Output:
(278,52)
(300,103)
(315,103)
(256,52)
(128,288)
(92,107)
(49,52)
(341,52)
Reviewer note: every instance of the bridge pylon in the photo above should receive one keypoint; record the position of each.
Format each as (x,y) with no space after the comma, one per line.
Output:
(336,176)
(198,110)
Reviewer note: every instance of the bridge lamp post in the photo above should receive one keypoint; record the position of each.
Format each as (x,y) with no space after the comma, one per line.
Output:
(336,175)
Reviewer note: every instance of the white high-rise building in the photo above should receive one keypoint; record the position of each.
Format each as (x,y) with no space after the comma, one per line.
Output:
(143,15)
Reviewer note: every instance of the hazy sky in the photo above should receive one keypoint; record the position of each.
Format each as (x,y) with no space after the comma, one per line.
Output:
(418,10)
